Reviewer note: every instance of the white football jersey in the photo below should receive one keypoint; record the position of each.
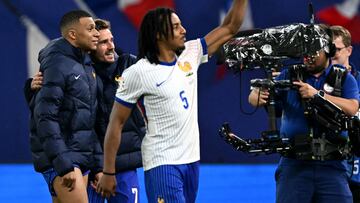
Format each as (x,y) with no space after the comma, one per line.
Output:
(169,93)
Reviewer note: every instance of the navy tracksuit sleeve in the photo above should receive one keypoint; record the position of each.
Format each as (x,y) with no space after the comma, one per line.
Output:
(28,93)
(47,105)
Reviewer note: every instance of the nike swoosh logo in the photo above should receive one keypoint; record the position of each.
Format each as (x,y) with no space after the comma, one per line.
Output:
(158,84)
(77,77)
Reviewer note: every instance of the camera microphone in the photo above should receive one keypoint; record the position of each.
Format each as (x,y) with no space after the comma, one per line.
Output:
(311,13)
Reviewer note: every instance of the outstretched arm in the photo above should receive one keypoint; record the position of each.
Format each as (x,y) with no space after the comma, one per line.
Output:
(228,28)
(118,117)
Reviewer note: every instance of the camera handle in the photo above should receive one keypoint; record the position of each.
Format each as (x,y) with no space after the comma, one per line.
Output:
(271,104)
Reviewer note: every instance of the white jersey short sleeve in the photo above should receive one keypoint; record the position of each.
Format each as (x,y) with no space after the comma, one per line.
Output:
(169,92)
(130,90)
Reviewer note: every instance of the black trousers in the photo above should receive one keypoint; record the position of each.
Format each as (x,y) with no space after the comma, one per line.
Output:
(355,190)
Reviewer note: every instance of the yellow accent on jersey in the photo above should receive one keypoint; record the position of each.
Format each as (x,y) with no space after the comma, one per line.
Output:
(186,67)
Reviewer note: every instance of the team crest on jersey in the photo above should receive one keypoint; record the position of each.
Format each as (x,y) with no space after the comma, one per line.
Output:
(186,67)
(160,200)
(117,78)
(120,81)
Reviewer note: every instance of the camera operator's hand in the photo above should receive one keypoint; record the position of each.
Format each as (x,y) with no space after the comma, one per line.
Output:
(306,91)
(258,97)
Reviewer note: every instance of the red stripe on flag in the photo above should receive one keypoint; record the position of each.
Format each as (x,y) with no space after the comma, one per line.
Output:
(136,12)
(354,28)
(332,16)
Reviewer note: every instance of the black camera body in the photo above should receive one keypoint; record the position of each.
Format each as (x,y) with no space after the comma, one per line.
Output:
(274,47)
(286,46)
(295,73)
(268,84)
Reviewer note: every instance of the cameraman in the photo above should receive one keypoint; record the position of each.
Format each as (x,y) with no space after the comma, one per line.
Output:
(342,41)
(310,180)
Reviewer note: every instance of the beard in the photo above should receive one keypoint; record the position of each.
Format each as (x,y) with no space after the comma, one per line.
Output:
(315,70)
(316,64)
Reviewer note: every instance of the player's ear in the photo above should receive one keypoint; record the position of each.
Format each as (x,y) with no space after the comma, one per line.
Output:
(72,34)
(350,49)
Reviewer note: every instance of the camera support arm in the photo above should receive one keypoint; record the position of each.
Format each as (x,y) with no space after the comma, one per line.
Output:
(304,145)
(268,144)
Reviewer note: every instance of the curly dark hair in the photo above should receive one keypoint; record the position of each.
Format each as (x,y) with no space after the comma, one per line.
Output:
(155,24)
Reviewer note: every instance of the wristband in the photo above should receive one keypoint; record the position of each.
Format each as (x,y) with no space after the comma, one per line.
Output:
(109,174)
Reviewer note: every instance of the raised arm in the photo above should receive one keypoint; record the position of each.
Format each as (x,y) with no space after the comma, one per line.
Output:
(228,28)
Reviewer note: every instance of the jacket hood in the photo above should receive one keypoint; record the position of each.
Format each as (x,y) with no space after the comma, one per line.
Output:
(61,46)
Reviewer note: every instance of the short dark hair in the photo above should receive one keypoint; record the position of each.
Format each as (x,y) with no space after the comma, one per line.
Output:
(340,31)
(70,18)
(101,24)
(155,24)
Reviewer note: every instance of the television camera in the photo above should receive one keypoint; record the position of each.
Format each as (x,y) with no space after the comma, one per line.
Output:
(280,46)
(274,47)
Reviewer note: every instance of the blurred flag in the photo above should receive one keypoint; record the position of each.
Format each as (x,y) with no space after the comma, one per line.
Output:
(36,40)
(136,9)
(345,14)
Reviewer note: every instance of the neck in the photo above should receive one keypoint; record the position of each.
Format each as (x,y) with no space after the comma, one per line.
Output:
(72,42)
(320,71)
(167,59)
(166,54)
(347,66)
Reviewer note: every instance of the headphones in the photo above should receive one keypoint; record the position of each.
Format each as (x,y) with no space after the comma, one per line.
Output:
(332,47)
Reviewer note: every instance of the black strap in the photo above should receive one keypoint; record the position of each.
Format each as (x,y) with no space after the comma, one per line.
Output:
(336,78)
(109,174)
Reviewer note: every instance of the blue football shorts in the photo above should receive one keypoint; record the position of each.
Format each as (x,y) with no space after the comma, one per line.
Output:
(50,175)
(172,183)
(127,189)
